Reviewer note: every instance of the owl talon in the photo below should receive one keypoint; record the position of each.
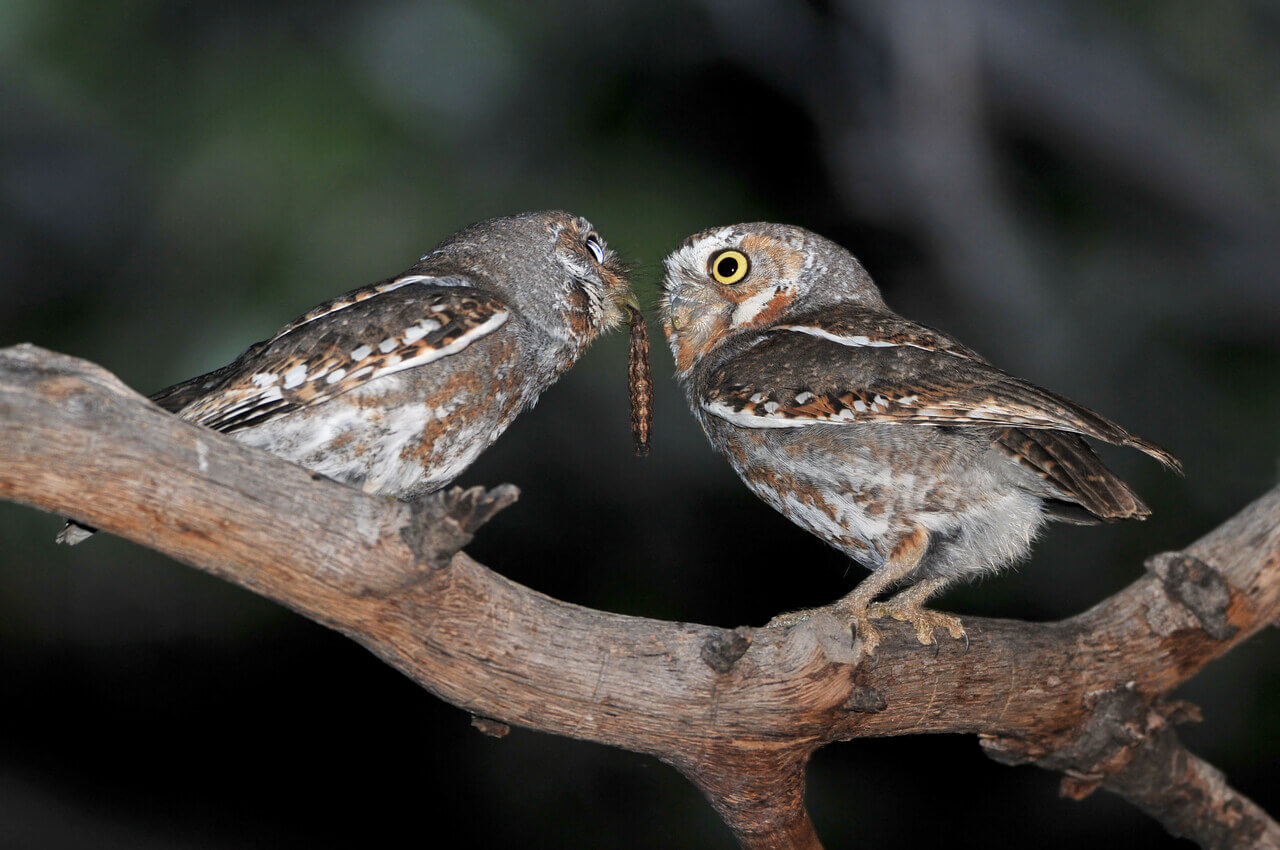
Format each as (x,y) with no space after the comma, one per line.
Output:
(870,634)
(926,622)
(859,623)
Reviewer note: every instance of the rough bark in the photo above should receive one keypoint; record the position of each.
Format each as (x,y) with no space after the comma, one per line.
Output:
(738,711)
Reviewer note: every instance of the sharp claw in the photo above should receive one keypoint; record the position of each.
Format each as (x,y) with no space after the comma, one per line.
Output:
(870,635)
(926,622)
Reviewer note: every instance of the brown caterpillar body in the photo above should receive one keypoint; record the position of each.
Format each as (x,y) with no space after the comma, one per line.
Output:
(640,383)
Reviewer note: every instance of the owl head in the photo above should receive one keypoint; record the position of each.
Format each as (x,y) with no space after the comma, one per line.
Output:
(550,265)
(745,277)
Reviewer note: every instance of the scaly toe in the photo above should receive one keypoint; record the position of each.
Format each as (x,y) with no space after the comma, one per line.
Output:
(791,618)
(928,622)
(860,622)
(870,634)
(880,610)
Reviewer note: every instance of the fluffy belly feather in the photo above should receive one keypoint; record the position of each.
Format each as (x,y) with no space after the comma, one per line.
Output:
(863,496)
(405,450)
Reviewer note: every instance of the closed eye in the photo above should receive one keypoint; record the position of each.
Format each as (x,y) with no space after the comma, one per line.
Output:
(595,247)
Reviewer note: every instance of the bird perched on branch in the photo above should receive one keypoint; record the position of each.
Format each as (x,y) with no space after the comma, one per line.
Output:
(889,440)
(398,386)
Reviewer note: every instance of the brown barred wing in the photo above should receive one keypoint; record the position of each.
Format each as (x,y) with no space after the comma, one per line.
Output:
(794,378)
(179,395)
(322,357)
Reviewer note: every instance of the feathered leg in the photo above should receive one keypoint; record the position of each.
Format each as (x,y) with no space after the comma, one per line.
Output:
(860,607)
(857,605)
(907,607)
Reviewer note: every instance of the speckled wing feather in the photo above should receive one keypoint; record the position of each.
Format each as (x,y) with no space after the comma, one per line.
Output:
(836,369)
(362,339)
(179,395)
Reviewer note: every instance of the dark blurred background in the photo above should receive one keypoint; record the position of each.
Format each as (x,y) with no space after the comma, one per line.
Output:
(1086,192)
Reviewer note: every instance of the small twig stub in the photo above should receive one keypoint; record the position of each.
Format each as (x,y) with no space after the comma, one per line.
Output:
(442,523)
(865,700)
(489,726)
(1199,588)
(722,650)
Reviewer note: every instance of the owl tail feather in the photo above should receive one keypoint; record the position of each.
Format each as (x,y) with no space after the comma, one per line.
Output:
(1149,448)
(1066,463)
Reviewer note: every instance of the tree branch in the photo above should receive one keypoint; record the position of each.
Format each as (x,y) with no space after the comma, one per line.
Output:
(737,711)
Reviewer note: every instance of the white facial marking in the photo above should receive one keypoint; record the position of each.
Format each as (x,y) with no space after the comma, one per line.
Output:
(752,307)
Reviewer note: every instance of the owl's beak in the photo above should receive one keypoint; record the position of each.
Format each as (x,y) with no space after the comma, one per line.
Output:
(623,300)
(679,309)
(630,301)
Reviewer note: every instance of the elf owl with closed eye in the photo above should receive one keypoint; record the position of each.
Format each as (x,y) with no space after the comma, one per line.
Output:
(891,441)
(398,386)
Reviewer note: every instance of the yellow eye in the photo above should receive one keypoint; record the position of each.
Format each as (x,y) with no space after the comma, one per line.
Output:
(729,267)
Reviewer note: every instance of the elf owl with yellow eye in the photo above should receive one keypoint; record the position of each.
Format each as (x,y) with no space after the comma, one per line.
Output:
(891,441)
